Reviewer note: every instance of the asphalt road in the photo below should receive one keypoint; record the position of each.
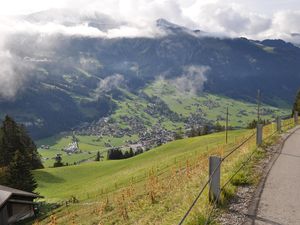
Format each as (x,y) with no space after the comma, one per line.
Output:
(280,200)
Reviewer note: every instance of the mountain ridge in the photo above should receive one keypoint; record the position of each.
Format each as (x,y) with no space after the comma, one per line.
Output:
(69,80)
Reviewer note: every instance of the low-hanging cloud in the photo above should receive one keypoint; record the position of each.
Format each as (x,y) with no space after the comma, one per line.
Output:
(6,71)
(133,18)
(109,83)
(192,79)
(12,74)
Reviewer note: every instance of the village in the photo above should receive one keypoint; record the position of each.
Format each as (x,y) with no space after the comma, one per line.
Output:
(139,133)
(149,135)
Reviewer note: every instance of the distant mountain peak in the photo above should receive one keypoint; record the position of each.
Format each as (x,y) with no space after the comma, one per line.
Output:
(163,23)
(172,28)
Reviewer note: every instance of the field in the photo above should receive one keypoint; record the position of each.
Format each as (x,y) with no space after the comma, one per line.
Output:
(89,145)
(212,106)
(95,182)
(161,157)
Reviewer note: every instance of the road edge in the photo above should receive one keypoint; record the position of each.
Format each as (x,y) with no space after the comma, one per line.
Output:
(254,203)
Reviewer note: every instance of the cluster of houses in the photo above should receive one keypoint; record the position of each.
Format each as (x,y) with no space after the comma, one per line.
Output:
(158,109)
(72,148)
(44,146)
(155,136)
(210,104)
(104,127)
(149,135)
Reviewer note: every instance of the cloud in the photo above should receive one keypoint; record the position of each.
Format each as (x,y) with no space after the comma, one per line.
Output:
(12,74)
(108,84)
(228,19)
(6,71)
(192,79)
(136,18)
(285,23)
(132,18)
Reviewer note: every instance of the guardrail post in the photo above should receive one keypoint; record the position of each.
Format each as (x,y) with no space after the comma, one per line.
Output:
(259,134)
(296,117)
(214,173)
(278,122)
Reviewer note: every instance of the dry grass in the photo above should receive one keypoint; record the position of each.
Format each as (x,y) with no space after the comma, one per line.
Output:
(166,194)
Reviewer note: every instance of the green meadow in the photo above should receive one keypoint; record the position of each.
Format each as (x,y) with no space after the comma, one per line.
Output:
(156,187)
(90,178)
(92,183)
(89,146)
(212,106)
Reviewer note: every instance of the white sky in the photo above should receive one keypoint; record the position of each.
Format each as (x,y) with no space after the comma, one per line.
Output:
(267,7)
(255,19)
(16,7)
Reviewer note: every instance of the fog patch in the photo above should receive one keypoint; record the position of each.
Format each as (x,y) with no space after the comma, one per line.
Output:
(13,74)
(109,83)
(192,80)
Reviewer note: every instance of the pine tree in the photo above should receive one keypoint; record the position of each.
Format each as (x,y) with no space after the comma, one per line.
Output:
(98,156)
(205,130)
(14,137)
(18,174)
(115,154)
(219,127)
(126,155)
(296,106)
(131,153)
(179,134)
(58,161)
(193,132)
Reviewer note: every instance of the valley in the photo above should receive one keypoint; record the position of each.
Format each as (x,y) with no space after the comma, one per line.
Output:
(152,118)
(68,89)
(118,130)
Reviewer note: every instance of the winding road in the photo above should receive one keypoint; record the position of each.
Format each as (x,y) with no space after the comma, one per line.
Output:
(279,202)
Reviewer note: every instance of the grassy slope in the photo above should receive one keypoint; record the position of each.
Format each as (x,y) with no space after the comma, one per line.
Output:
(92,183)
(90,178)
(180,168)
(213,106)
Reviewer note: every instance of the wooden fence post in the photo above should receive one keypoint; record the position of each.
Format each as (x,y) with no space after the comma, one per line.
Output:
(278,122)
(296,117)
(259,134)
(214,173)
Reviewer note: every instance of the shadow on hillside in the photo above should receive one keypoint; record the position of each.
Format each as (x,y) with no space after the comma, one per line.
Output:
(46,177)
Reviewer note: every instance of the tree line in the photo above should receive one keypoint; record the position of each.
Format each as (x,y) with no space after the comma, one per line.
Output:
(296,106)
(18,156)
(117,153)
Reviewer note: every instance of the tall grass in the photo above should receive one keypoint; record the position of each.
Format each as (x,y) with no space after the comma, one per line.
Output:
(162,194)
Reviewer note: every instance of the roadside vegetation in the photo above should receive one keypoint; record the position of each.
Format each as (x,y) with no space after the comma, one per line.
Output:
(154,187)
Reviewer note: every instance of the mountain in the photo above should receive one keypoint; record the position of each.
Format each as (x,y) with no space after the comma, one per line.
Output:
(75,79)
